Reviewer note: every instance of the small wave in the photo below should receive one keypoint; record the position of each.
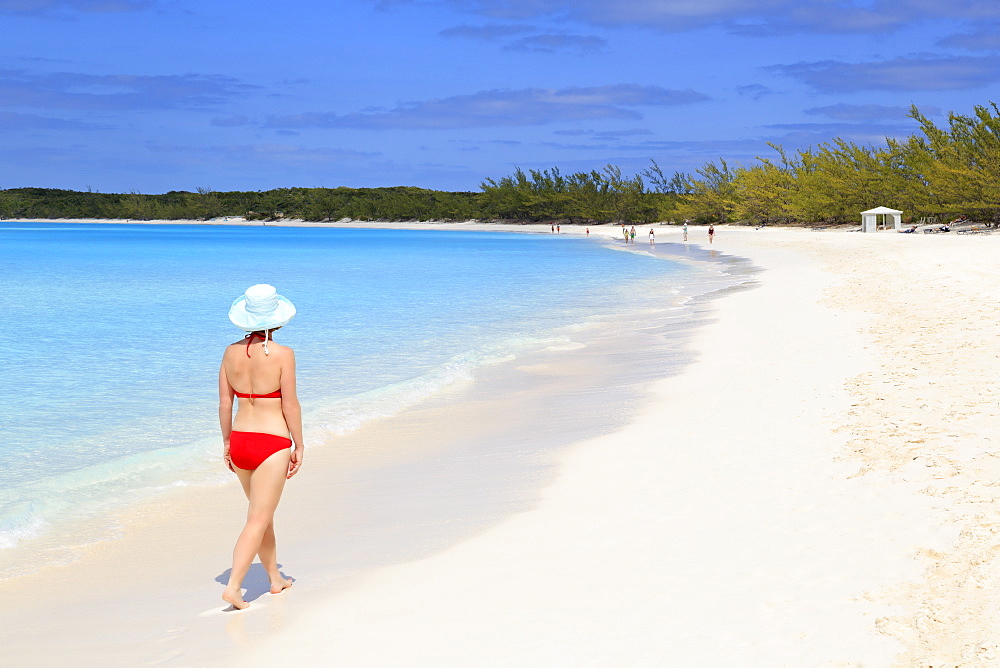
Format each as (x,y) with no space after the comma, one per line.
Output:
(17,527)
(29,509)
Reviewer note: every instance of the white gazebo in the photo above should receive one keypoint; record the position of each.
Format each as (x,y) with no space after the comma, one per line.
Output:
(870,219)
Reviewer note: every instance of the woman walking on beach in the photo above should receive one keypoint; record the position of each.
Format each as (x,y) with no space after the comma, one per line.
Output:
(711,233)
(257,441)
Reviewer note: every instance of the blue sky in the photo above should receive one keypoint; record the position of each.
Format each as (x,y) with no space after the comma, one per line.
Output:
(159,95)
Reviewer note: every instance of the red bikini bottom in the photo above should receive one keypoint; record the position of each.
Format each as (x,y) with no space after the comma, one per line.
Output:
(249,449)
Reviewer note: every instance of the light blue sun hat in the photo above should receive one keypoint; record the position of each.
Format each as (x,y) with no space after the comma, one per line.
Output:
(260,308)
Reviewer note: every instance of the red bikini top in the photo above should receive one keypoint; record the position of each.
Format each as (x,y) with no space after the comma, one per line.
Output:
(247,395)
(270,395)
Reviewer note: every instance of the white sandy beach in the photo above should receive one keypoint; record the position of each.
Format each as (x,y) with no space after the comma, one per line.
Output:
(818,488)
(790,499)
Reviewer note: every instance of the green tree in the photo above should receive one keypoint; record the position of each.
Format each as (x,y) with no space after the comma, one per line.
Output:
(962,163)
(713,196)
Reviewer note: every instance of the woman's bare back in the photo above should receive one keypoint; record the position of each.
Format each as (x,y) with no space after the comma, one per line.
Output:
(257,374)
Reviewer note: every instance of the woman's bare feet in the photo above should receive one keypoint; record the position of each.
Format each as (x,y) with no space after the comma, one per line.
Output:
(279,585)
(235,599)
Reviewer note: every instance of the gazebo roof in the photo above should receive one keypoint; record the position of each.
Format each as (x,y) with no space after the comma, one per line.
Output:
(881,209)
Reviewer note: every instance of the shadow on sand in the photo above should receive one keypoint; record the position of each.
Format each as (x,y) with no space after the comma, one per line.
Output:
(255,584)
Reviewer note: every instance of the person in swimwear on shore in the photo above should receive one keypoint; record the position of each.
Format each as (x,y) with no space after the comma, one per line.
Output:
(257,442)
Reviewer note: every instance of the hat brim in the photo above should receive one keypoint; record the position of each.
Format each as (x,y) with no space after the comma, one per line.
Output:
(250,322)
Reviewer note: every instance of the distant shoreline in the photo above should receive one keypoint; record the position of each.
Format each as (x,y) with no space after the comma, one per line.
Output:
(611,230)
(512,225)
(504,226)
(291,222)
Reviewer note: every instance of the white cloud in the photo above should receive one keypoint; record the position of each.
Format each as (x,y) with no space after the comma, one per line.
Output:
(759,16)
(920,72)
(528,106)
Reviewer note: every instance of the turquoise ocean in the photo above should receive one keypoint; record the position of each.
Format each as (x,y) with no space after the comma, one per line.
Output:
(112,335)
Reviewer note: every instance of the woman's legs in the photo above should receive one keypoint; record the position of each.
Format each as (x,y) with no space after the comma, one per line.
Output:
(268,555)
(263,489)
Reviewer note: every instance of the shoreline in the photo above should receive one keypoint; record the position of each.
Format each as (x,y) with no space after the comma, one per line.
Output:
(41,548)
(558,380)
(844,528)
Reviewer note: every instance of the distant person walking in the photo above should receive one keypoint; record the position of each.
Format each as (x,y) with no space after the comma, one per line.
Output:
(558,229)
(625,232)
(652,237)
(711,233)
(685,228)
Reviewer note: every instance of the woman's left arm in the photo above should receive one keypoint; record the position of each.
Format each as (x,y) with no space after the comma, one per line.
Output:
(291,410)
(225,413)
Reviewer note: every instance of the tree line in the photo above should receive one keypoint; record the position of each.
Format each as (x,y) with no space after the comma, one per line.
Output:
(940,171)
(319,204)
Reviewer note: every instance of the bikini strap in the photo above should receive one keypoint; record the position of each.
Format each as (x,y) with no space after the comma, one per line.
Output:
(251,336)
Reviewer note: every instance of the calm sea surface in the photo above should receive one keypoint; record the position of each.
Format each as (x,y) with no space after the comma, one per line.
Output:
(112,336)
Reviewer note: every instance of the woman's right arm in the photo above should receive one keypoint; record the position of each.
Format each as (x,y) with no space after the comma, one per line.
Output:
(225,412)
